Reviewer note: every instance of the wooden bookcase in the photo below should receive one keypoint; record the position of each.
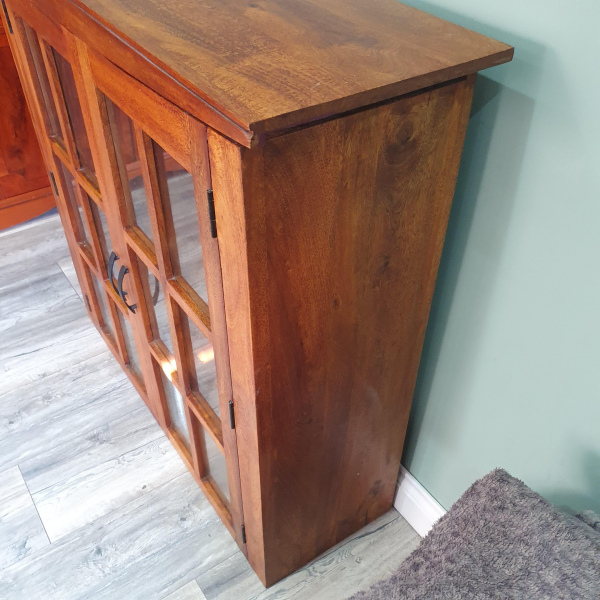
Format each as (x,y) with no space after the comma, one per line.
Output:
(255,195)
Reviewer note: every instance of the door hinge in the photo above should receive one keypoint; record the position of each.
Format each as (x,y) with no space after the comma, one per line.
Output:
(10,29)
(244,534)
(87,301)
(53,181)
(211,213)
(231,414)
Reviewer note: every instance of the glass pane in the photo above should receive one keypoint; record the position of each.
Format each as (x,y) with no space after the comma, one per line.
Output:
(204,377)
(81,232)
(99,292)
(155,301)
(67,82)
(217,467)
(123,135)
(177,190)
(50,116)
(176,409)
(133,357)
(101,227)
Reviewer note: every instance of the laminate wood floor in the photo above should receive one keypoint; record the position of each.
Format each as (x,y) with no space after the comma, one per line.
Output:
(94,502)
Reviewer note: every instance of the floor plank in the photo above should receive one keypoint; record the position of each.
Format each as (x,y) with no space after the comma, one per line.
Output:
(99,490)
(54,409)
(106,442)
(21,531)
(140,551)
(367,556)
(191,591)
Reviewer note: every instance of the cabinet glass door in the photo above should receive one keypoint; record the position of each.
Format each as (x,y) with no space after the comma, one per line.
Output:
(131,173)
(158,161)
(73,173)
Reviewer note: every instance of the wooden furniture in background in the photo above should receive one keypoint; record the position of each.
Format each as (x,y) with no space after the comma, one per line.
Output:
(24,187)
(255,195)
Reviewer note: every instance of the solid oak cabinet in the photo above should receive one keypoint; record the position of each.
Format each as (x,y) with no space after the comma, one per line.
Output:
(255,195)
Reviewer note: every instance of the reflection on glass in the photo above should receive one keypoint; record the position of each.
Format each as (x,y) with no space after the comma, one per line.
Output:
(204,377)
(132,355)
(179,204)
(217,467)
(81,231)
(67,83)
(123,135)
(176,409)
(99,293)
(45,95)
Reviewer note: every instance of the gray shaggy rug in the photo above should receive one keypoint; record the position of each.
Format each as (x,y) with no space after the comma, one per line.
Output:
(500,541)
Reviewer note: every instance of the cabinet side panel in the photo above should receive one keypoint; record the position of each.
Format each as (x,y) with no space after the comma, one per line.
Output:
(350,217)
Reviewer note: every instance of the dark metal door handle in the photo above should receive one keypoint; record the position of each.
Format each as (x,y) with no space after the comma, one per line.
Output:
(111,267)
(123,271)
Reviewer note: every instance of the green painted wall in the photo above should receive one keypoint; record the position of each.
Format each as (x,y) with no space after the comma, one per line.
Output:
(510,373)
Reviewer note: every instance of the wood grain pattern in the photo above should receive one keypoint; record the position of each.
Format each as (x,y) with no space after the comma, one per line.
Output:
(248,68)
(106,441)
(272,64)
(138,551)
(344,230)
(94,492)
(24,187)
(21,531)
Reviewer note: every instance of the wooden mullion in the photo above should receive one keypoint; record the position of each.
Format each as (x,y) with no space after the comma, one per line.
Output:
(137,243)
(88,186)
(207,417)
(87,257)
(59,103)
(196,310)
(61,153)
(118,301)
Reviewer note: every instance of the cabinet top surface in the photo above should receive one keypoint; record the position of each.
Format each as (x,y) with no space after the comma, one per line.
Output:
(274,64)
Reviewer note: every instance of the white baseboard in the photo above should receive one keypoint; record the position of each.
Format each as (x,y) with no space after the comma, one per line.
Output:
(416,504)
